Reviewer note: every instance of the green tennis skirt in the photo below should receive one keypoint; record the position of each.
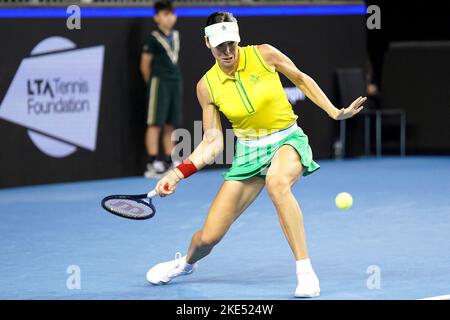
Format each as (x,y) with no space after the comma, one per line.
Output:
(252,161)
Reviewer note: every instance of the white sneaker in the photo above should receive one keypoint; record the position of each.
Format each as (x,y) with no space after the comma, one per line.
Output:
(308,285)
(165,272)
(152,173)
(149,174)
(159,167)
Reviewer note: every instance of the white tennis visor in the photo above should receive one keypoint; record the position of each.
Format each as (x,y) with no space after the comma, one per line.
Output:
(222,32)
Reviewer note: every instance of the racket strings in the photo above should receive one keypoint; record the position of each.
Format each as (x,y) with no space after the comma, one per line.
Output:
(130,208)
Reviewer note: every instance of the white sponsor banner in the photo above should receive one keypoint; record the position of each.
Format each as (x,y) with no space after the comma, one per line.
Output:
(57,94)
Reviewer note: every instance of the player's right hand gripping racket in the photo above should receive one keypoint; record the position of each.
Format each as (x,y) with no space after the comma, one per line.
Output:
(137,207)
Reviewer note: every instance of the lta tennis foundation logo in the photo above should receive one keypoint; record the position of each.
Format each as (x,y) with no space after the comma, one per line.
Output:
(55,94)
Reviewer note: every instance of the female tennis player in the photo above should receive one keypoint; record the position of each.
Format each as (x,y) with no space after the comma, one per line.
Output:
(271,150)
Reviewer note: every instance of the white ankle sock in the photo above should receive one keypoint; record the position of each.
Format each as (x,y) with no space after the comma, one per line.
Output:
(186,266)
(303,266)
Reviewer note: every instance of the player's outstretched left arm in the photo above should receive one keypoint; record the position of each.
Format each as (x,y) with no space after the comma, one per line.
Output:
(309,87)
(208,149)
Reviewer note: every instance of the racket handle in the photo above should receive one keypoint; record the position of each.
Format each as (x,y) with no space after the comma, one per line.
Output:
(153,193)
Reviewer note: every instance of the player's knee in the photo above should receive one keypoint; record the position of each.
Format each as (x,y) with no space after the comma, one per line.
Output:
(277,186)
(208,238)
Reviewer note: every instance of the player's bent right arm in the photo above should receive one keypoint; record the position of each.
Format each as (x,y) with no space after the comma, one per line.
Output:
(212,142)
(209,148)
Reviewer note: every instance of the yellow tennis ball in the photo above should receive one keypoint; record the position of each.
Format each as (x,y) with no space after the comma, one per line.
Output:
(344,200)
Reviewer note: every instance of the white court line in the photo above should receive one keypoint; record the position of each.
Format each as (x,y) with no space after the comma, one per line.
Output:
(444,297)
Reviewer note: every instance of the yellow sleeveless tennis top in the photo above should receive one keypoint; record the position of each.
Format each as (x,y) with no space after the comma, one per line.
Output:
(253,100)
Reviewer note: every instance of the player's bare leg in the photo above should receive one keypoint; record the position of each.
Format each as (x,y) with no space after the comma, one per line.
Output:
(284,171)
(231,200)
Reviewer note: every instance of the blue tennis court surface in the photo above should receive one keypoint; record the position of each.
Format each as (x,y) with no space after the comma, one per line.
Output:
(399,226)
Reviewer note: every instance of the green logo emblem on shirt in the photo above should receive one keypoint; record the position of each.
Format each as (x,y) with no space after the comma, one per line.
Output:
(254,78)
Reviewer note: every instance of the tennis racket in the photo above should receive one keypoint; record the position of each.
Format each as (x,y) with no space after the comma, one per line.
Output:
(136,207)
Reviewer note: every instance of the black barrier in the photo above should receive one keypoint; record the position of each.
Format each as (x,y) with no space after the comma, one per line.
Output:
(416,78)
(85,119)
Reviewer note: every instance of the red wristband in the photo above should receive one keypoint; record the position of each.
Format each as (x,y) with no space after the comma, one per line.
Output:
(187,168)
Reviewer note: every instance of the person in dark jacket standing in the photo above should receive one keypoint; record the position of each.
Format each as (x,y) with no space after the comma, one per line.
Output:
(160,70)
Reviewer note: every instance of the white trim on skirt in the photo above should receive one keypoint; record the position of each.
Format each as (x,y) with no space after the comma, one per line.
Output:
(270,138)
